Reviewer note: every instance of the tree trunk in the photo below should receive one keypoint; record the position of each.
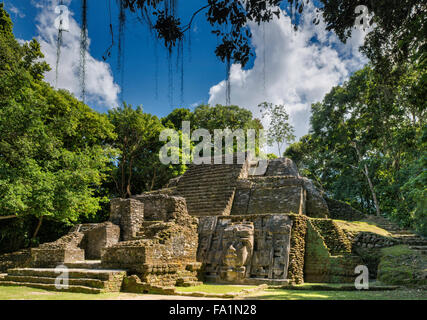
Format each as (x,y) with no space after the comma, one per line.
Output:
(7,217)
(153,180)
(129,178)
(122,186)
(38,227)
(366,173)
(371,187)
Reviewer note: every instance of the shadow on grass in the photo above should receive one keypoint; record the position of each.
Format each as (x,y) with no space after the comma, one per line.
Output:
(280,294)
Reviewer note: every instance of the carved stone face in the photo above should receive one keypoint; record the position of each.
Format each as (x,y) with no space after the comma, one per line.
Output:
(238,241)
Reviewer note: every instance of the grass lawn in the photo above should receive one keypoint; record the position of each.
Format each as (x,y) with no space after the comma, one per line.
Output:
(280,294)
(25,293)
(214,288)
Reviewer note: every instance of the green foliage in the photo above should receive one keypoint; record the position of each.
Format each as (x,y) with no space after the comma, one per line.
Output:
(138,167)
(174,119)
(370,128)
(415,189)
(224,117)
(280,131)
(53,154)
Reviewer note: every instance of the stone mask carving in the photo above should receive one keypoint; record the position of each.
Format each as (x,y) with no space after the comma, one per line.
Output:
(238,241)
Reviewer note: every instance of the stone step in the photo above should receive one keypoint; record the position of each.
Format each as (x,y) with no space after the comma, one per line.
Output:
(209,173)
(202,196)
(418,247)
(212,167)
(209,169)
(92,283)
(79,280)
(51,287)
(211,203)
(87,264)
(414,243)
(212,192)
(207,207)
(197,183)
(100,274)
(406,236)
(208,212)
(198,196)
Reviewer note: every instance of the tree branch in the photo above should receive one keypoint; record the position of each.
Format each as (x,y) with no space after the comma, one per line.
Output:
(8,217)
(188,26)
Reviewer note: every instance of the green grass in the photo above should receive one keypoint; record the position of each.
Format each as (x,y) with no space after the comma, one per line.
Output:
(281,294)
(362,226)
(26,293)
(214,288)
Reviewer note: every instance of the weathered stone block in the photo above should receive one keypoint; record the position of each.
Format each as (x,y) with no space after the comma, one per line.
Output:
(128,214)
(316,205)
(282,167)
(161,207)
(104,235)
(55,257)
(165,245)
(276,200)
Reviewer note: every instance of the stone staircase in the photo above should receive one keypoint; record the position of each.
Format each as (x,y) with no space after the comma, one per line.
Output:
(404,236)
(209,188)
(81,280)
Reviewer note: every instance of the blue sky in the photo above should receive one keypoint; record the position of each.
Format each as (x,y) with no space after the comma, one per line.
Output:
(202,69)
(291,68)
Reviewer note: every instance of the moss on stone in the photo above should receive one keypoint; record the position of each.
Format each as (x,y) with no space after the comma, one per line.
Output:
(320,264)
(335,238)
(297,252)
(361,226)
(401,265)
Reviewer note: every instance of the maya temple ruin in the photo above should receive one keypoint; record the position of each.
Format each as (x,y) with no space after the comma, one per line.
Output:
(218,223)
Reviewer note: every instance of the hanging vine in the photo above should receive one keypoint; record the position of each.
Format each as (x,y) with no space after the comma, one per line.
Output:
(264,58)
(227,83)
(121,46)
(181,61)
(83,50)
(58,46)
(107,52)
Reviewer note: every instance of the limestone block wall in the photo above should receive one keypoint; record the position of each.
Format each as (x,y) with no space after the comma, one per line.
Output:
(128,214)
(163,251)
(275,194)
(65,249)
(316,205)
(83,242)
(104,235)
(282,167)
(161,207)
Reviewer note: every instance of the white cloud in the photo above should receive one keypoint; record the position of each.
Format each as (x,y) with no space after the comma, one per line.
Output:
(298,70)
(100,86)
(17,12)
